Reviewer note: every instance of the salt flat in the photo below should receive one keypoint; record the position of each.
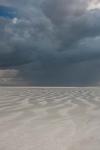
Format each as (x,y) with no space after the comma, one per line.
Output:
(49,118)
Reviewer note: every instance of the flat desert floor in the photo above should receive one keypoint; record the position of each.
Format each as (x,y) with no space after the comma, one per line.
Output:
(49,118)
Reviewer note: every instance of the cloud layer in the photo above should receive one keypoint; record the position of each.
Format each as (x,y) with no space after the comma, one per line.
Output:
(51,42)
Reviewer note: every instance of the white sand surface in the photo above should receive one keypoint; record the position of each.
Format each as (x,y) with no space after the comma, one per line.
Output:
(49,118)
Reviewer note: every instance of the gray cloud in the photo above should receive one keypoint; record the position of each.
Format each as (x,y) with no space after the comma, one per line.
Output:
(52,42)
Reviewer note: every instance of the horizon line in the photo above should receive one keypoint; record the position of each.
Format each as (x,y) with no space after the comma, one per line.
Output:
(49,86)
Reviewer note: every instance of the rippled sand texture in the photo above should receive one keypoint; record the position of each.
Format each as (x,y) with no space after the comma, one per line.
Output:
(49,118)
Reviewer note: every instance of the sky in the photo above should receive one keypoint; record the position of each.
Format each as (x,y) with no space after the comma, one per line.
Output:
(50,42)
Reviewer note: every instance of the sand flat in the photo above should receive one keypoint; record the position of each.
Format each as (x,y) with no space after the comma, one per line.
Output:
(49,118)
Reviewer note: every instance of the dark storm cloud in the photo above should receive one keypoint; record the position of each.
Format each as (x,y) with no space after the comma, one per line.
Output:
(52,42)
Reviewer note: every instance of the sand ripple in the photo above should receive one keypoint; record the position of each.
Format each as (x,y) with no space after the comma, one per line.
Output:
(49,118)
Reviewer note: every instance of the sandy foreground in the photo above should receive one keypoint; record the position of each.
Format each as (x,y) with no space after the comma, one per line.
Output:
(49,118)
